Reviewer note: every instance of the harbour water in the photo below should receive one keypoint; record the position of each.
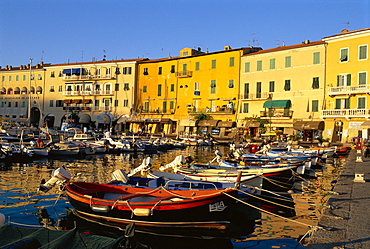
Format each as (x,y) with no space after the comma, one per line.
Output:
(282,221)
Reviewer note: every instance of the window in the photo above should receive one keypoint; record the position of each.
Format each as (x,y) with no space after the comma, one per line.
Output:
(97,103)
(164,106)
(39,76)
(172,87)
(126,86)
(361,102)
(316,58)
(32,77)
(60,89)
(344,80)
(343,54)
(246,90)
(245,108)
(24,77)
(118,70)
(362,52)
(172,105)
(125,103)
(213,86)
(287,85)
(52,89)
(197,66)
(213,64)
(288,61)
(315,83)
(59,103)
(9,104)
(15,104)
(116,87)
(126,70)
(3,78)
(146,106)
(315,106)
(116,102)
(342,103)
(52,74)
(146,71)
(10,78)
(259,65)
(272,86)
(231,63)
(17,78)
(159,90)
(184,69)
(172,68)
(196,86)
(258,89)
(145,89)
(186,53)
(159,70)
(231,83)
(51,104)
(272,63)
(362,78)
(247,67)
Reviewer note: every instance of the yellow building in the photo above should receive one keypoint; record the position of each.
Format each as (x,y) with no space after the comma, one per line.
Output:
(346,112)
(285,87)
(90,94)
(174,90)
(22,93)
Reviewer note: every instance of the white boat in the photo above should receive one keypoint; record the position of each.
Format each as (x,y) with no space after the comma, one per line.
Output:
(63,149)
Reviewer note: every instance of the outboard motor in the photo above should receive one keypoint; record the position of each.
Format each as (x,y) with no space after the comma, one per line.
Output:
(59,176)
(120,175)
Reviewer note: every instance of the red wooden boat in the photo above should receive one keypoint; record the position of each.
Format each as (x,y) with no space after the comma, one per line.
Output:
(158,210)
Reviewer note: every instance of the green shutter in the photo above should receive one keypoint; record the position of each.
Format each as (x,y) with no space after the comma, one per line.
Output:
(338,80)
(348,79)
(337,104)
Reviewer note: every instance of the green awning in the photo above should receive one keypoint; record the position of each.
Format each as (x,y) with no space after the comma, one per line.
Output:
(277,104)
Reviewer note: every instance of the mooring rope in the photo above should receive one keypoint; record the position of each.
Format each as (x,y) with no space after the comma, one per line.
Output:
(281,217)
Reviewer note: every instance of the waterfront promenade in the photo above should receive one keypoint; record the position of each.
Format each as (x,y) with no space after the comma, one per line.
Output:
(348,224)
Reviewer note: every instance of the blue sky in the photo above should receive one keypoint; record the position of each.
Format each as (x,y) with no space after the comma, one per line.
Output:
(61,31)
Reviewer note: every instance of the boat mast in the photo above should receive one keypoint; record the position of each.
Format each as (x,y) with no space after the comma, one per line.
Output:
(29,93)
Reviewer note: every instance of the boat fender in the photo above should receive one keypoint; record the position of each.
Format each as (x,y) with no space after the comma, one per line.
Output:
(142,212)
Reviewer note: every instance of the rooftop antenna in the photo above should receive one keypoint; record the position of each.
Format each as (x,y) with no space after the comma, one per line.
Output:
(104,56)
(254,40)
(348,26)
(42,55)
(82,55)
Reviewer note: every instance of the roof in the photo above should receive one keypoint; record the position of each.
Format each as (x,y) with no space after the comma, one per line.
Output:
(281,48)
(346,32)
(98,62)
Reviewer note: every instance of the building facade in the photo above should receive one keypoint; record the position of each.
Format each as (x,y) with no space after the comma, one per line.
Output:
(347,106)
(284,87)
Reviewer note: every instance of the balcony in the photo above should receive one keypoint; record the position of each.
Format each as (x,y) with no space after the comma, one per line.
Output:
(349,90)
(256,96)
(87,77)
(184,74)
(346,113)
(220,110)
(276,114)
(88,93)
(71,108)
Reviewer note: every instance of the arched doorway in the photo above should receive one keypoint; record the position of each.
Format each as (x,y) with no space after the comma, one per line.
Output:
(35,116)
(49,120)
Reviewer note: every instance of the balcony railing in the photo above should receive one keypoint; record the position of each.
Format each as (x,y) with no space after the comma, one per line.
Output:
(87,77)
(184,74)
(256,96)
(215,110)
(94,92)
(348,90)
(346,113)
(282,114)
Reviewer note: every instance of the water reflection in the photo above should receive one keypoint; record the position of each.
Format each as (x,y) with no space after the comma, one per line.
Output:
(21,204)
